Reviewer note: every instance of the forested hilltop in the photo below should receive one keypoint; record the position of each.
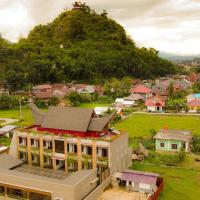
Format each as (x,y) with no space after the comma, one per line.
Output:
(78,45)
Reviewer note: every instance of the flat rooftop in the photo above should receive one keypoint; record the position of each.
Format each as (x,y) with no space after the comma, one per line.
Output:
(14,167)
(49,173)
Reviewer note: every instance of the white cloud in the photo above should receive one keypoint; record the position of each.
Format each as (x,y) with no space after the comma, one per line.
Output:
(168,25)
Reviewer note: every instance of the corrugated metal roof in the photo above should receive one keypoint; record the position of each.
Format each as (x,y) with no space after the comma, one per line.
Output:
(140,177)
(7,128)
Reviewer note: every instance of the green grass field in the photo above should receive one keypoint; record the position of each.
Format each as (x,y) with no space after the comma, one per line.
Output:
(93,105)
(139,125)
(180,183)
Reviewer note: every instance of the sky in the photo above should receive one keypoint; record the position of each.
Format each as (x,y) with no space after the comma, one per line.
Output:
(171,26)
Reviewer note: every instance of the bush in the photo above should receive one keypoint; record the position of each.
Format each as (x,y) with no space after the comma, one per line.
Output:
(40,103)
(149,144)
(196,144)
(167,159)
(54,101)
(8,102)
(127,111)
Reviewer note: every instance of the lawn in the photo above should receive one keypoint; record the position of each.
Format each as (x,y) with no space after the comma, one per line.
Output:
(93,105)
(180,183)
(139,125)
(26,119)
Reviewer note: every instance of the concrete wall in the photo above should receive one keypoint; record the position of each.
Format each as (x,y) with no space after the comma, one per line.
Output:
(82,189)
(120,154)
(154,109)
(13,146)
(99,190)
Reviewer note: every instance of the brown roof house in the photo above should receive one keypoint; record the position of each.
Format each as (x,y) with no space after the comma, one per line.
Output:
(142,90)
(68,153)
(173,140)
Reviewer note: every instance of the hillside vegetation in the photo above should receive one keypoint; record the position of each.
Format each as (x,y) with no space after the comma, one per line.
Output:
(78,45)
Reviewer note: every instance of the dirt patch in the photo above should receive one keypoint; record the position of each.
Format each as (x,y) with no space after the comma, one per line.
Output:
(122,194)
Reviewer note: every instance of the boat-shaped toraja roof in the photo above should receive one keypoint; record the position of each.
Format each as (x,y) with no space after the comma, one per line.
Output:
(70,118)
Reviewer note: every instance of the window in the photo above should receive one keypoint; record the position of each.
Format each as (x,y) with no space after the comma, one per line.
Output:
(162,144)
(2,189)
(174,146)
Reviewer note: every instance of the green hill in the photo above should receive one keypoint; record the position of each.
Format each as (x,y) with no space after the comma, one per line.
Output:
(79,45)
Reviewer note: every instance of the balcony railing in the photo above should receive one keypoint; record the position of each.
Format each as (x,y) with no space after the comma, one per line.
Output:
(48,151)
(35,149)
(86,156)
(102,160)
(22,147)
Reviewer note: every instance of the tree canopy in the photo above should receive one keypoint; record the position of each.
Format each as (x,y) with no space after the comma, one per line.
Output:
(78,45)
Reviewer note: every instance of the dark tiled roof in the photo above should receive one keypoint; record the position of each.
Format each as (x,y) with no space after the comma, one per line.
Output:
(42,95)
(68,118)
(37,114)
(98,124)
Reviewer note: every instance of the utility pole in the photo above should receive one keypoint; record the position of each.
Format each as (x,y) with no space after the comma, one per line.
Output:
(20,108)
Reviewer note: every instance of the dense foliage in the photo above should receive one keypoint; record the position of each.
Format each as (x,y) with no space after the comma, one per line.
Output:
(78,45)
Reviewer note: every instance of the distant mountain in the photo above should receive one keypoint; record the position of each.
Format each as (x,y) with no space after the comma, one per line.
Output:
(176,58)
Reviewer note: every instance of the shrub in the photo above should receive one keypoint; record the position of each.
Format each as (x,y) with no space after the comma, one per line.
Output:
(167,159)
(8,102)
(40,103)
(54,101)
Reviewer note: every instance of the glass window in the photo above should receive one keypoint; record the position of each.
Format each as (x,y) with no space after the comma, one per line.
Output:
(174,146)
(162,144)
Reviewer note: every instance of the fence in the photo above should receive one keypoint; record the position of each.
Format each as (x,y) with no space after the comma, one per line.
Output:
(160,185)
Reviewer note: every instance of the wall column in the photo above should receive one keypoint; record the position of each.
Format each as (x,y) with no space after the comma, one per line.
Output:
(79,152)
(17,143)
(41,153)
(29,150)
(94,155)
(53,152)
(65,151)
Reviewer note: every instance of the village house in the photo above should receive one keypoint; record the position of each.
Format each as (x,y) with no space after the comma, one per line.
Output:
(7,130)
(155,104)
(88,89)
(192,77)
(173,140)
(192,97)
(138,181)
(142,90)
(194,105)
(42,91)
(128,102)
(61,90)
(68,153)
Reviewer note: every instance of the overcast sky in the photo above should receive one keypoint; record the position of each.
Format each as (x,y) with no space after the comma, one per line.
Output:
(167,25)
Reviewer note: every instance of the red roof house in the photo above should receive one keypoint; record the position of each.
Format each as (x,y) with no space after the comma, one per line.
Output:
(155,104)
(194,105)
(142,90)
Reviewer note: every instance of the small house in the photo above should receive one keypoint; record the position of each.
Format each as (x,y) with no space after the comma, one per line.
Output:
(7,130)
(142,90)
(134,99)
(137,181)
(155,104)
(194,105)
(191,97)
(42,88)
(173,140)
(89,89)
